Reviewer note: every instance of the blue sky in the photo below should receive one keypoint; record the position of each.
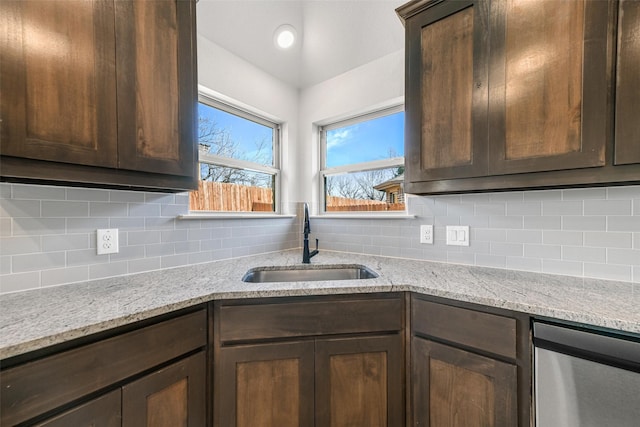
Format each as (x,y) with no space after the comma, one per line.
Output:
(361,142)
(366,141)
(244,132)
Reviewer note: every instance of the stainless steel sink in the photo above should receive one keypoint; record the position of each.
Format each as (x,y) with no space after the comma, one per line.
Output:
(306,273)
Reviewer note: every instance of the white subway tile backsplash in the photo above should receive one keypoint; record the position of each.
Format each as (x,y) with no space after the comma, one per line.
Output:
(586,254)
(88,194)
(554,207)
(566,268)
(607,207)
(526,264)
(64,209)
(39,192)
(524,236)
(107,209)
(11,208)
(624,192)
(37,262)
(19,282)
(513,222)
(584,223)
(65,275)
(64,242)
(573,232)
(584,194)
(543,251)
(555,237)
(608,271)
(5,265)
(507,249)
(126,196)
(624,223)
(623,256)
(38,226)
(20,245)
(116,268)
(543,222)
(608,239)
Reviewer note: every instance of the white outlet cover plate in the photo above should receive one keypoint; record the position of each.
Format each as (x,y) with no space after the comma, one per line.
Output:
(458,235)
(426,234)
(107,241)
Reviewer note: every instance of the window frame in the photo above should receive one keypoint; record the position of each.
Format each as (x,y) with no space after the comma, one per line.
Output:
(324,171)
(230,162)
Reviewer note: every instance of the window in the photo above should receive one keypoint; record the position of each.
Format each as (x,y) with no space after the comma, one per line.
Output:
(238,155)
(363,163)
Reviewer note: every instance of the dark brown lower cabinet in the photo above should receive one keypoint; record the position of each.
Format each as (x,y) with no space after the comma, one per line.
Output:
(104,411)
(304,362)
(469,366)
(268,385)
(174,396)
(359,382)
(453,387)
(152,375)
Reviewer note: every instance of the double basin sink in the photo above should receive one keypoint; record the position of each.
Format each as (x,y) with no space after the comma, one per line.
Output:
(308,273)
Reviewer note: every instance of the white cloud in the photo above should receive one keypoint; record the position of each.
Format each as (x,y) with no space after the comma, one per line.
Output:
(338,138)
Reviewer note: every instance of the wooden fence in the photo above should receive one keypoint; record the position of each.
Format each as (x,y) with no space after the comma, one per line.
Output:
(218,196)
(341,204)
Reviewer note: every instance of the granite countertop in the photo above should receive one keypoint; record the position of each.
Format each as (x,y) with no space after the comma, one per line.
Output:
(36,319)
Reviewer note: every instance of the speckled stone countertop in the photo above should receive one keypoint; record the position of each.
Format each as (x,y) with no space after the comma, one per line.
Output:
(36,319)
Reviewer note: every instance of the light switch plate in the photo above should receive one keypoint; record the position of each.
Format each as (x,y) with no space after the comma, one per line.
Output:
(107,241)
(458,235)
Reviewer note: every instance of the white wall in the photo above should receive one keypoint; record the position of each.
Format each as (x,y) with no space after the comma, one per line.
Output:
(231,78)
(375,85)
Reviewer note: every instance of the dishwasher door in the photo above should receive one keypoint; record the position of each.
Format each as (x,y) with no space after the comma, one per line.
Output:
(585,379)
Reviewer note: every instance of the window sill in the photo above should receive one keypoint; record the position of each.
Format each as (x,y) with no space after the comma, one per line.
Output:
(231,215)
(364,216)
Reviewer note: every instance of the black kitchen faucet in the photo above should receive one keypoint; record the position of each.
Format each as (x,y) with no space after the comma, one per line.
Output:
(306,255)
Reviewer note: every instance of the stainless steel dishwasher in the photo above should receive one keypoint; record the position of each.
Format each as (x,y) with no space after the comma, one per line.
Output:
(585,378)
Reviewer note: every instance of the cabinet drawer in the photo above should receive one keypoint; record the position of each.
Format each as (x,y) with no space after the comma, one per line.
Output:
(45,384)
(308,318)
(483,331)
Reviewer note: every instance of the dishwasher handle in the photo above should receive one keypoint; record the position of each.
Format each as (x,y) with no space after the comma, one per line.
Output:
(620,351)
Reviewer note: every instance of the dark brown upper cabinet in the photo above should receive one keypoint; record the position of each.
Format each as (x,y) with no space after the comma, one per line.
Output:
(101,92)
(513,94)
(627,125)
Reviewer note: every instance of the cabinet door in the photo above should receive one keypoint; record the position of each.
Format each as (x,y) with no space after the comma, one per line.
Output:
(549,105)
(174,396)
(266,385)
(57,79)
(359,382)
(446,92)
(452,387)
(157,96)
(628,84)
(103,411)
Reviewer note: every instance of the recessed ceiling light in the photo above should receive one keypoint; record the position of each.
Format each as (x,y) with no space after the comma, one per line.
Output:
(285,36)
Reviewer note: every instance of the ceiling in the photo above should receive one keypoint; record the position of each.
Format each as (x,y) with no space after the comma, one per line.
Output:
(334,36)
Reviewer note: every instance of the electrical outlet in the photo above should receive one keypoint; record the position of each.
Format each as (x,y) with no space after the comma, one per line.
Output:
(107,241)
(426,234)
(458,235)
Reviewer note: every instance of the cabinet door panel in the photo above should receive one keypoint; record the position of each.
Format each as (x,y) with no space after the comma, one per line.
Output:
(446,96)
(628,85)
(174,396)
(103,411)
(267,385)
(156,86)
(57,79)
(359,382)
(549,93)
(452,387)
